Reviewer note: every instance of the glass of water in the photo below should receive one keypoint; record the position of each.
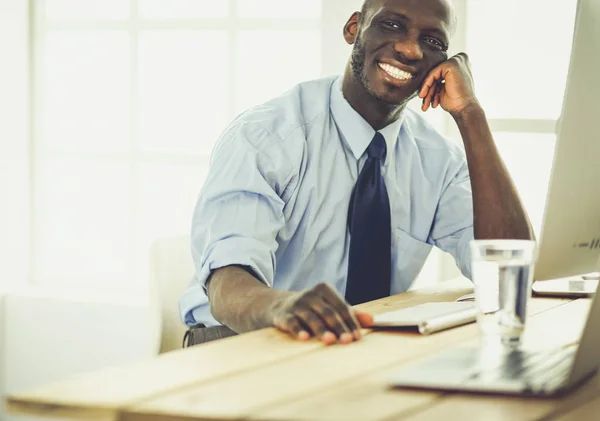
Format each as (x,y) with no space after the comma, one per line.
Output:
(502,273)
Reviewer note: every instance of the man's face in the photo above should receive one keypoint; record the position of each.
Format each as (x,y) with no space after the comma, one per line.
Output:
(396,45)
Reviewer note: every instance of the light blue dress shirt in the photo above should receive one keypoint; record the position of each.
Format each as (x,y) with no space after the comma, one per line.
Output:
(277,194)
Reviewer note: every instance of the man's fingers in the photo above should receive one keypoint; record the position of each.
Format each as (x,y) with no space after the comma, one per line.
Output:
(426,87)
(428,99)
(365,319)
(318,328)
(292,326)
(438,94)
(345,312)
(333,320)
(430,81)
(323,312)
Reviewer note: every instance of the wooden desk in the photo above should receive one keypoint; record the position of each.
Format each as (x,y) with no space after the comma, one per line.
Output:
(266,376)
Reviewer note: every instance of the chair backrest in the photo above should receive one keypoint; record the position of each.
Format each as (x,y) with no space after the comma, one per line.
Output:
(171,269)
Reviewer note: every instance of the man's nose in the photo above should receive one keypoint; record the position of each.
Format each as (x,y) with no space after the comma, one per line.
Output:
(409,49)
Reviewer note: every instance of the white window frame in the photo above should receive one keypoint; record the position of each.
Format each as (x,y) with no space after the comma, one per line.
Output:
(331,63)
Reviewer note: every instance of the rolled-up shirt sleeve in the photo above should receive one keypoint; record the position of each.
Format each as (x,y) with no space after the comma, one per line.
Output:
(240,208)
(452,229)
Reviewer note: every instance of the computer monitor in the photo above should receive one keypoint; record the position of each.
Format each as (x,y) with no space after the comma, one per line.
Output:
(569,244)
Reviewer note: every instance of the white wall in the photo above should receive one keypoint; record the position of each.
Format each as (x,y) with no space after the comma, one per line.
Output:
(14,141)
(336,51)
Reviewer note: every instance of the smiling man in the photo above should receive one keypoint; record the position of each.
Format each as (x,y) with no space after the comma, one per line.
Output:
(334,193)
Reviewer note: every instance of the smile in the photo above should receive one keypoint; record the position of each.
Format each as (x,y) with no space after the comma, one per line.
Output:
(395,72)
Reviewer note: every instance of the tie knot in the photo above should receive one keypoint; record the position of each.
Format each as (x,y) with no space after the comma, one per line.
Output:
(377,149)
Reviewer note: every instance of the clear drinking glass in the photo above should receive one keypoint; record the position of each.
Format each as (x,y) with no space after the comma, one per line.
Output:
(502,273)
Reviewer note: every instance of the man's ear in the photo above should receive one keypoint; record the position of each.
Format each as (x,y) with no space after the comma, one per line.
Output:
(351,28)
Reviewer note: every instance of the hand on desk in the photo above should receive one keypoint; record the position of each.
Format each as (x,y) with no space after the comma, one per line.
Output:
(321,312)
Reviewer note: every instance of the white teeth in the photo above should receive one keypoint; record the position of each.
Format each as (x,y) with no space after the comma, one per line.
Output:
(395,72)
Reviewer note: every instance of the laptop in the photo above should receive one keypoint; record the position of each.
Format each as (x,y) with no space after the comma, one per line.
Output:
(569,245)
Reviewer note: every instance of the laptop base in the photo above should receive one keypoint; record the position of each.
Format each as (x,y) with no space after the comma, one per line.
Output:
(476,370)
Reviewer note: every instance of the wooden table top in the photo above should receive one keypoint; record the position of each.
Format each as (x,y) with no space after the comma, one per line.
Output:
(265,375)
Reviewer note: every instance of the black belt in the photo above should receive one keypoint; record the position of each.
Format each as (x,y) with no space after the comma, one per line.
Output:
(200,334)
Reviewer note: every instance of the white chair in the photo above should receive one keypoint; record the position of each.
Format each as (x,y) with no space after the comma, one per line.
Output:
(171,269)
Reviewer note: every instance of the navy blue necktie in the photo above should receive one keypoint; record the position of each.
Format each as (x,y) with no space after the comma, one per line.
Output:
(370,258)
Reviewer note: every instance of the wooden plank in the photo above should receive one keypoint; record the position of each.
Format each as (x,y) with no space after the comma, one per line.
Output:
(369,398)
(52,411)
(358,399)
(252,392)
(237,396)
(589,411)
(108,390)
(101,394)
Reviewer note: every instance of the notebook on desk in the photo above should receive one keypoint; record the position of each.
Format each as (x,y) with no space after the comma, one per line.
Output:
(428,317)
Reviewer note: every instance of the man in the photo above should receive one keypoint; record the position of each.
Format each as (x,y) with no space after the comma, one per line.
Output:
(334,193)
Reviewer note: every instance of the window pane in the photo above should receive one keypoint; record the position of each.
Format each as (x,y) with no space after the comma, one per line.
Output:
(86,91)
(87,9)
(183,9)
(167,196)
(82,217)
(520,59)
(517,150)
(279,9)
(183,90)
(292,57)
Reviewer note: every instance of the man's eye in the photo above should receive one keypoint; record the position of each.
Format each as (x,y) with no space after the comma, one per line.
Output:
(390,24)
(436,42)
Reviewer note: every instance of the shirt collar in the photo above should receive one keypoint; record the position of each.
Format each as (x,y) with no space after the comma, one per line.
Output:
(355,130)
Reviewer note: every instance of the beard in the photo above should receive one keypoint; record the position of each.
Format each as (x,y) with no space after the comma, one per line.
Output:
(358,62)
